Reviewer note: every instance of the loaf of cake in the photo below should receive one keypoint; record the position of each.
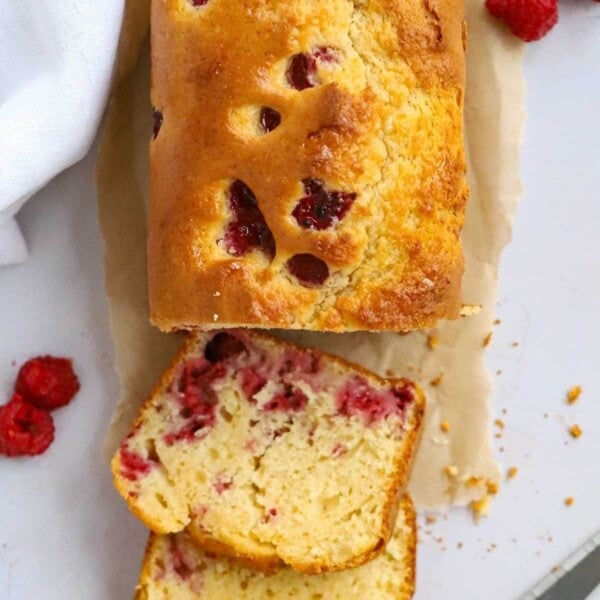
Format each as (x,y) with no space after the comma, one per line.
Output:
(175,569)
(307,164)
(270,453)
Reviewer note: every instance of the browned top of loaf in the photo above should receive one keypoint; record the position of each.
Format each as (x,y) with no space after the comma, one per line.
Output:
(385,123)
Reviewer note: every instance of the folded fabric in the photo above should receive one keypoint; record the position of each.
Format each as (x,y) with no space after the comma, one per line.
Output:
(56,61)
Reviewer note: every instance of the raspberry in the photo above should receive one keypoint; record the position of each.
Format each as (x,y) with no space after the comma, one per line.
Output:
(321,208)
(223,346)
(24,429)
(157,119)
(308,269)
(269,119)
(47,382)
(290,399)
(249,230)
(529,20)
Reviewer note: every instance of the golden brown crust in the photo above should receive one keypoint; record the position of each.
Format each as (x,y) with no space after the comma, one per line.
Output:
(395,259)
(268,563)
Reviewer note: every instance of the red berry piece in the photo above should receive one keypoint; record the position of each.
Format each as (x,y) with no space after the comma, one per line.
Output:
(199,2)
(133,466)
(358,398)
(270,119)
(223,346)
(252,382)
(302,71)
(47,382)
(529,20)
(308,269)
(249,229)
(24,429)
(321,208)
(157,118)
(291,399)
(197,398)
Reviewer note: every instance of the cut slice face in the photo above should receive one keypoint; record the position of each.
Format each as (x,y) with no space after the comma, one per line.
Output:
(271,453)
(175,568)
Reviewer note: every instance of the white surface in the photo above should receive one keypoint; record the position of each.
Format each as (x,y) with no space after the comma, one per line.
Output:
(64,534)
(56,60)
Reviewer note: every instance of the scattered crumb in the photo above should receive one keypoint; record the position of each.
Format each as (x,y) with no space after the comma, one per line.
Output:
(555,568)
(499,372)
(573,394)
(480,508)
(501,449)
(487,339)
(515,344)
(498,436)
(505,411)
(499,423)
(497,321)
(451,470)
(546,415)
(217,294)
(430,519)
(445,426)
(569,501)
(215,317)
(433,341)
(474,481)
(13,363)
(459,545)
(512,472)
(436,380)
(492,487)
(575,431)
(469,310)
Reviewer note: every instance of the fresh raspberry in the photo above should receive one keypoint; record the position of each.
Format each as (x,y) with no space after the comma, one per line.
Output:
(47,382)
(24,429)
(529,20)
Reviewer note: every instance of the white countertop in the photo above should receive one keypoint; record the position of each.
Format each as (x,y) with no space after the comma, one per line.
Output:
(65,534)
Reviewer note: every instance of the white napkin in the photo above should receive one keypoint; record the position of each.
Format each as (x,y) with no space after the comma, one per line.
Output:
(56,60)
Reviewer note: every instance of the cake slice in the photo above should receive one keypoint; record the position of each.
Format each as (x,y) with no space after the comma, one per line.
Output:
(175,569)
(271,453)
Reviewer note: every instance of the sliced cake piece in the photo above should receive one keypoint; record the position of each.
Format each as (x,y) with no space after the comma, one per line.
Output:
(271,453)
(175,569)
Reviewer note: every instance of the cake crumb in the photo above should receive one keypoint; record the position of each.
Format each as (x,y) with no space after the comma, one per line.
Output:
(569,501)
(505,411)
(546,415)
(499,423)
(573,394)
(515,344)
(487,339)
(499,372)
(436,380)
(497,321)
(512,472)
(480,508)
(451,470)
(474,481)
(470,310)
(492,487)
(433,341)
(555,568)
(459,545)
(445,426)
(430,519)
(575,431)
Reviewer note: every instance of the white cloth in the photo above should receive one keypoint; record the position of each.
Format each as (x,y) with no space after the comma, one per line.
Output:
(56,62)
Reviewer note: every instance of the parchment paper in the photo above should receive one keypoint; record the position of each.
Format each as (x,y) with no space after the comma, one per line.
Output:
(452,467)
